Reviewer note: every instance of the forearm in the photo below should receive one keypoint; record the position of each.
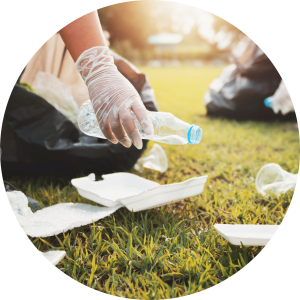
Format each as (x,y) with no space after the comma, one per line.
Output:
(113,97)
(83,34)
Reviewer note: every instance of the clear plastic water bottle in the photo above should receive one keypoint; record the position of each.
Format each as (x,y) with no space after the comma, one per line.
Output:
(167,128)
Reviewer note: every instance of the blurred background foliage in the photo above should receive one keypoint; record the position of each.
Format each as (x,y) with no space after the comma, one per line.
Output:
(206,37)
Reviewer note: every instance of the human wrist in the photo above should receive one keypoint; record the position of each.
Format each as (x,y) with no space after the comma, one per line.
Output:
(93,61)
(87,52)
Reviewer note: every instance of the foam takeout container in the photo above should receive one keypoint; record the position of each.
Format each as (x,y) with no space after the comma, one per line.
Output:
(249,235)
(134,192)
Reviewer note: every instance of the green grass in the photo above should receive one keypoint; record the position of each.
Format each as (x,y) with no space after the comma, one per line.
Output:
(174,250)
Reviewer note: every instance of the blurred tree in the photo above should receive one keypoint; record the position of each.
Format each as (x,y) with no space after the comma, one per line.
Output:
(193,37)
(129,21)
(225,28)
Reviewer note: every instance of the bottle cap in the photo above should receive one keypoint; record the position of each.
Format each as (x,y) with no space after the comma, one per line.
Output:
(268,102)
(195,134)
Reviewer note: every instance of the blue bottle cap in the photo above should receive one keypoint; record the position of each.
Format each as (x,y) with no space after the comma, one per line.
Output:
(195,134)
(268,102)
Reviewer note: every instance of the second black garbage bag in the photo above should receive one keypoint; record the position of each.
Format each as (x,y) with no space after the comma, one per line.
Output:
(239,92)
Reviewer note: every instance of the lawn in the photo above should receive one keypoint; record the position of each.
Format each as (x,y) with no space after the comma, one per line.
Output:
(174,250)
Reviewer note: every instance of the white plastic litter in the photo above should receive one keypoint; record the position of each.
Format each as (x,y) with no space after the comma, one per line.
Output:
(54,219)
(249,235)
(135,192)
(112,188)
(281,100)
(54,256)
(271,178)
(57,93)
(156,159)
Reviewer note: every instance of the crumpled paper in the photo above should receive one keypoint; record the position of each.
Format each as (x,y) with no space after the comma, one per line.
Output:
(54,256)
(271,178)
(156,159)
(57,218)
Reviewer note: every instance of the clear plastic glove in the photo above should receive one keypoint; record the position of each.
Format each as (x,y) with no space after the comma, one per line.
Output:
(114,98)
(281,100)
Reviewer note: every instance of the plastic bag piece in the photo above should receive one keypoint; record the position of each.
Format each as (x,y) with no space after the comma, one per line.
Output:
(239,92)
(57,218)
(271,178)
(156,159)
(54,256)
(57,93)
(281,101)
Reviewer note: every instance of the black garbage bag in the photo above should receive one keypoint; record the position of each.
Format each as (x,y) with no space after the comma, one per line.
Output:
(36,138)
(239,92)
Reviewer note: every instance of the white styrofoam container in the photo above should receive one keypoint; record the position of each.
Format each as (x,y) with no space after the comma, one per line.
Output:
(134,192)
(249,235)
(54,256)
(165,194)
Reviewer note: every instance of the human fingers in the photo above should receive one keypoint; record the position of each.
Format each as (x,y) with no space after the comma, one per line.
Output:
(128,124)
(107,132)
(143,117)
(118,131)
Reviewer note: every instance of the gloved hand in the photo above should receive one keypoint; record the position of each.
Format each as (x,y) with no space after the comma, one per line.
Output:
(113,97)
(281,100)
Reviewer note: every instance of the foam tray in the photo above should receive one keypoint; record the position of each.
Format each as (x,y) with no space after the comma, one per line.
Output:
(134,192)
